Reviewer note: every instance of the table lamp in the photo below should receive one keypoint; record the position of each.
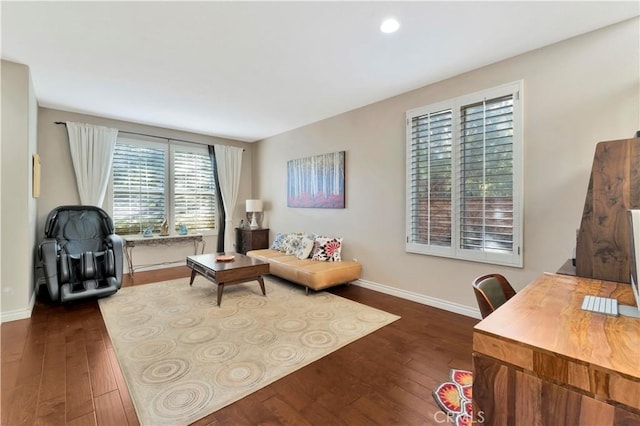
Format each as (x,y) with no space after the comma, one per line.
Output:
(254,207)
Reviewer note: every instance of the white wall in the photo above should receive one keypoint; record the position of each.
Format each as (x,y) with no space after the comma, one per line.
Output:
(576,93)
(18,208)
(59,182)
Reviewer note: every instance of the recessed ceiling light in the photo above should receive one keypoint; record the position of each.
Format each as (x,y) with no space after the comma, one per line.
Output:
(389,25)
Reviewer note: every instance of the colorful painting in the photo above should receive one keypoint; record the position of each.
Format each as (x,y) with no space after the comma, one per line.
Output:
(316,181)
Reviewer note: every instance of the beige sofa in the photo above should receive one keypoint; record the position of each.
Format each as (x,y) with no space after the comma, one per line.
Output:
(312,274)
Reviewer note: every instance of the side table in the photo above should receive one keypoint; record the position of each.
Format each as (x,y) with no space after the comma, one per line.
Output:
(132,241)
(251,239)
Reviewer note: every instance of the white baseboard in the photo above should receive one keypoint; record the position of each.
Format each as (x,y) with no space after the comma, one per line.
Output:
(420,298)
(19,314)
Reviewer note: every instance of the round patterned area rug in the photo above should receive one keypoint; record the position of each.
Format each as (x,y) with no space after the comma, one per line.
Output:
(184,357)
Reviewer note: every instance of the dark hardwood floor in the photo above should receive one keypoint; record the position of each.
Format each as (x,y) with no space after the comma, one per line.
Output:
(59,368)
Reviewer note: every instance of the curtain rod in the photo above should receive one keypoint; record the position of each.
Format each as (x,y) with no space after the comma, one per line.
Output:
(144,134)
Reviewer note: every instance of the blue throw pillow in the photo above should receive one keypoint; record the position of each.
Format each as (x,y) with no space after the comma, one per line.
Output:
(277,241)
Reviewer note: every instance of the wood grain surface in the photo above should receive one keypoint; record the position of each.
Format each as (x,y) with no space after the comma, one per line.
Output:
(602,249)
(540,355)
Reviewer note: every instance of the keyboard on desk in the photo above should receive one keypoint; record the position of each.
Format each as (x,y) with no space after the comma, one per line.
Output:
(601,305)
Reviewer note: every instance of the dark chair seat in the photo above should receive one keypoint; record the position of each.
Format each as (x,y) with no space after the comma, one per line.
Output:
(492,291)
(81,254)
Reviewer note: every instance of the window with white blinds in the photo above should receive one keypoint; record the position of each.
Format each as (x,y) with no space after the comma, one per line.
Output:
(486,183)
(194,190)
(139,186)
(430,182)
(464,177)
(153,181)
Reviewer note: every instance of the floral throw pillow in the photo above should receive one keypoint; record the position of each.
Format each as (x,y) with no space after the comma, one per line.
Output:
(291,243)
(327,249)
(305,249)
(277,241)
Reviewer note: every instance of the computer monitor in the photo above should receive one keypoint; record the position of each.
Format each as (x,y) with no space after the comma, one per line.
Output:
(634,264)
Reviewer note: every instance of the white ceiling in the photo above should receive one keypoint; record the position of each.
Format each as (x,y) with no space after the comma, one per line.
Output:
(249,70)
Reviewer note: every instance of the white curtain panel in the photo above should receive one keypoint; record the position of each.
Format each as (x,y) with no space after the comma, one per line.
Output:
(229,161)
(92,155)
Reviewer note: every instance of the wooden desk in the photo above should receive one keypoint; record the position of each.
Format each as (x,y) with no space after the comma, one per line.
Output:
(540,359)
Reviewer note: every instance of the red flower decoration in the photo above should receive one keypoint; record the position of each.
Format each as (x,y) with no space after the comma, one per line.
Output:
(455,397)
(467,391)
(331,247)
(449,396)
(461,377)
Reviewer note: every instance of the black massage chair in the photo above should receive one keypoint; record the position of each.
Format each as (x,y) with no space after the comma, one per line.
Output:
(81,254)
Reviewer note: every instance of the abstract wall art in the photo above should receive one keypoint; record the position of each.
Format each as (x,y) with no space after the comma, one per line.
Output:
(317,181)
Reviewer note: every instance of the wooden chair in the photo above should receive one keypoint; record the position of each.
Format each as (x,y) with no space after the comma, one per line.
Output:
(492,291)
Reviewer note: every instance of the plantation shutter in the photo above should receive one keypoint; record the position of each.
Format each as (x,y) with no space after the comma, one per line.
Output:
(430,179)
(194,190)
(464,177)
(138,188)
(486,164)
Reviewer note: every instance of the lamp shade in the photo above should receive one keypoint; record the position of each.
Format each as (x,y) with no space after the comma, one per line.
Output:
(254,205)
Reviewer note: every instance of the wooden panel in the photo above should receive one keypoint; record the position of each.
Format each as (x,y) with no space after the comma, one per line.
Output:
(78,390)
(251,239)
(109,410)
(503,395)
(22,399)
(102,380)
(507,351)
(602,249)
(560,406)
(88,419)
(550,367)
(595,413)
(13,333)
(599,383)
(489,391)
(578,376)
(247,272)
(125,397)
(9,376)
(51,398)
(624,390)
(51,411)
(528,403)
(22,404)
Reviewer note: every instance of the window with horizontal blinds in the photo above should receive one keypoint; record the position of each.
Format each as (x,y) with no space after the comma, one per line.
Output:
(430,195)
(486,168)
(157,180)
(194,190)
(139,187)
(464,177)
